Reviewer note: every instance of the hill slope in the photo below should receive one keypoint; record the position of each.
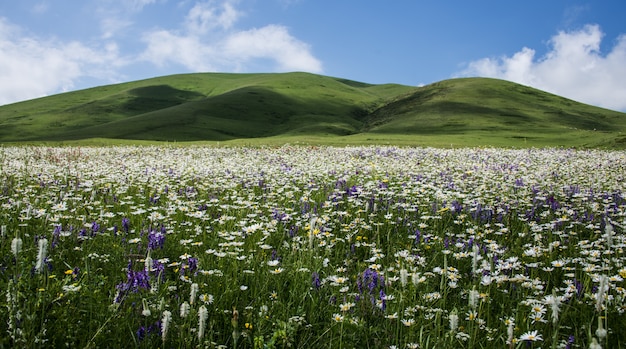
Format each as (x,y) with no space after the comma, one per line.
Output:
(475,106)
(198,107)
(219,107)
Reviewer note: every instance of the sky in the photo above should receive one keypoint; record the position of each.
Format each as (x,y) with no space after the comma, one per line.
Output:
(574,49)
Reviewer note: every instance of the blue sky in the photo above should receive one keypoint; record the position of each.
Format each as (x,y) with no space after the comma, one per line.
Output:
(575,49)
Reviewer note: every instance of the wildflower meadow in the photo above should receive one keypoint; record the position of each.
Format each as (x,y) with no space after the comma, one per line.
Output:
(312,247)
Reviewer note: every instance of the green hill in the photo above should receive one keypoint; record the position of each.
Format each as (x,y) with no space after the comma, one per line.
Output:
(270,108)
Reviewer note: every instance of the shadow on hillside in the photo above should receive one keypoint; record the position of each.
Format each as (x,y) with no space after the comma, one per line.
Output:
(151,98)
(167,114)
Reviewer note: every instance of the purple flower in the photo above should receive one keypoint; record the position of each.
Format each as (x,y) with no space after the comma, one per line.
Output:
(55,235)
(141,333)
(192,264)
(135,281)
(316,280)
(371,279)
(144,331)
(156,239)
(95,227)
(418,236)
(126,224)
(383,299)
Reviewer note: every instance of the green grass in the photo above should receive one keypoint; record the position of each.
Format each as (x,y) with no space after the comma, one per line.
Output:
(302,107)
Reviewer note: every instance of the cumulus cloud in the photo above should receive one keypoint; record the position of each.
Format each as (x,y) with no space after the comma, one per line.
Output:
(210,41)
(573,67)
(205,17)
(272,42)
(34,67)
(165,47)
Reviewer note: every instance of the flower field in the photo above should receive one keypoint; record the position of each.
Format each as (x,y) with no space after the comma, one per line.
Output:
(307,247)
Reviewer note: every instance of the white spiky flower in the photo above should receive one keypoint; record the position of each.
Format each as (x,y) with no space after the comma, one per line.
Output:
(473,298)
(603,288)
(41,255)
(454,321)
(184,309)
(404,276)
(193,293)
(165,324)
(16,246)
(203,314)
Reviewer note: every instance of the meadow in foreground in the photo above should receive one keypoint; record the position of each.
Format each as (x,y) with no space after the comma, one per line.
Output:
(376,247)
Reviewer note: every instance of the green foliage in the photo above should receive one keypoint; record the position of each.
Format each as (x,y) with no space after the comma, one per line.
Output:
(281,108)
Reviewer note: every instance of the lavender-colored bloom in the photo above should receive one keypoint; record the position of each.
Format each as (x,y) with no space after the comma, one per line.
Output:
(55,236)
(383,299)
(141,333)
(371,279)
(316,280)
(95,227)
(156,240)
(418,236)
(192,263)
(456,206)
(126,224)
(553,203)
(157,267)
(353,191)
(135,280)
(292,231)
(139,279)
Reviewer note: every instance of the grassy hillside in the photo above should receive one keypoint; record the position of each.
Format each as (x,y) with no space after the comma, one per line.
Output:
(505,112)
(275,108)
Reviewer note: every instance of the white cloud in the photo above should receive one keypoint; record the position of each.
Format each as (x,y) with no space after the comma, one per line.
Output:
(209,41)
(34,67)
(574,68)
(272,42)
(204,17)
(166,47)
(112,25)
